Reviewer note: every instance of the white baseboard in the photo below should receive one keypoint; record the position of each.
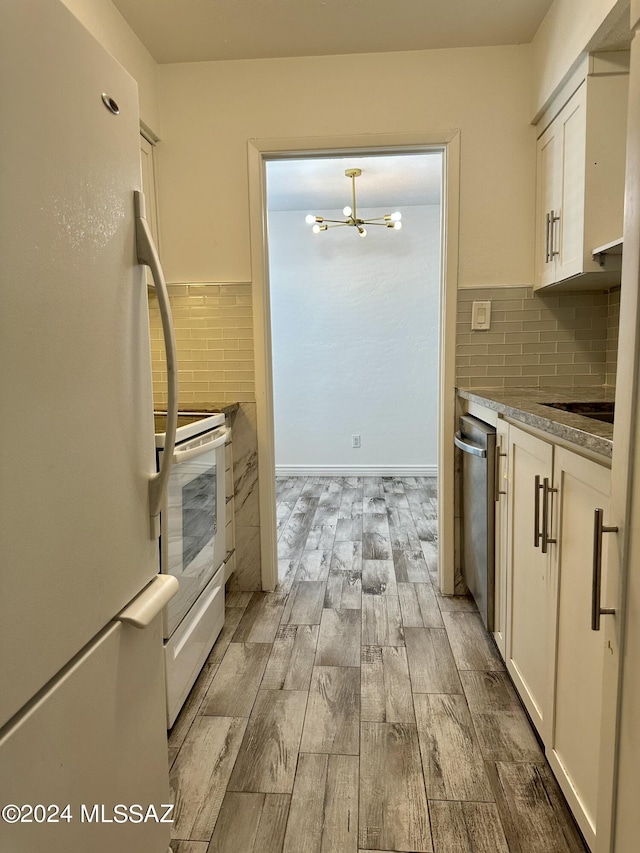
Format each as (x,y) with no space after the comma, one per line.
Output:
(356,471)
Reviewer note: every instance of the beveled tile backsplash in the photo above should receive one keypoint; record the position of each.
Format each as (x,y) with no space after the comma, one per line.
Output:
(567,338)
(214,339)
(561,338)
(613,323)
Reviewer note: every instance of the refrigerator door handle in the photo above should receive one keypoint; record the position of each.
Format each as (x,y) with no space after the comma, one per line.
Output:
(145,607)
(148,255)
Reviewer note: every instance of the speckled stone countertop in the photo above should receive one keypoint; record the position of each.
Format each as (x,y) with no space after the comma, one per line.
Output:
(212,409)
(160,414)
(526,405)
(226,408)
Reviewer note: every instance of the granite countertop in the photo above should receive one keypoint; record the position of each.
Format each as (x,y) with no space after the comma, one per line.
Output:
(160,415)
(525,405)
(212,409)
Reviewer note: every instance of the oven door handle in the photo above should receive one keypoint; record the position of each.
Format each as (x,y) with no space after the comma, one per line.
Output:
(148,255)
(184,455)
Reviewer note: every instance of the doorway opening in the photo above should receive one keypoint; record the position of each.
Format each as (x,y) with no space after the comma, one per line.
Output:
(374,303)
(354,322)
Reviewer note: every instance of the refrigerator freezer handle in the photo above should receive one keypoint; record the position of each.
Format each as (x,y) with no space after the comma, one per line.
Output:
(153,598)
(148,255)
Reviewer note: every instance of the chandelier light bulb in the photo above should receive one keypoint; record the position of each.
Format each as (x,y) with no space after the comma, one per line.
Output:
(396,217)
(397,225)
(346,210)
(316,228)
(309,219)
(363,232)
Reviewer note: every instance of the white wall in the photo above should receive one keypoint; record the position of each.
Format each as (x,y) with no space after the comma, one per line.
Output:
(107,25)
(561,39)
(211,109)
(355,341)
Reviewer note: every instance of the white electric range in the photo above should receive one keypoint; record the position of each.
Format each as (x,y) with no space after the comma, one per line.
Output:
(192,547)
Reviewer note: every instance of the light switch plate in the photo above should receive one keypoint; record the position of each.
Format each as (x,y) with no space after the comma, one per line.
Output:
(481,315)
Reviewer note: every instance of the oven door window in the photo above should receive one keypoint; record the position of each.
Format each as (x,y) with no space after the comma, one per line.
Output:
(198,514)
(190,530)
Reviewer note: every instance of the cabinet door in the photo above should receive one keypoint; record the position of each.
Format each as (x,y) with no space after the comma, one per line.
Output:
(529,591)
(567,236)
(502,496)
(548,180)
(574,747)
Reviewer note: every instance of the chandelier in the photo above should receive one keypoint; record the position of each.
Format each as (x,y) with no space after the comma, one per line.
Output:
(389,220)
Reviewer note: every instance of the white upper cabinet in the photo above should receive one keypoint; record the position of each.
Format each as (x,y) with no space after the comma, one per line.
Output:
(580,180)
(581,741)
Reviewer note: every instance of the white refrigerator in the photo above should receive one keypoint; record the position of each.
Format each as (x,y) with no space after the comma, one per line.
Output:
(83,758)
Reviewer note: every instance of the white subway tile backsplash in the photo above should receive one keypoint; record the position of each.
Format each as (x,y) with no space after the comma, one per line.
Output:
(214,339)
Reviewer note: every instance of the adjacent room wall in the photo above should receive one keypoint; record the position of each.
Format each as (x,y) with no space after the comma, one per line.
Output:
(355,344)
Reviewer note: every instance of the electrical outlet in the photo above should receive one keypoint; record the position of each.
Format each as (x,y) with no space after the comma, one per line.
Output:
(356,441)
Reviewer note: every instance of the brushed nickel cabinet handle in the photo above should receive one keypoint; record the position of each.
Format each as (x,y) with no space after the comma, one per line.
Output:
(546,491)
(552,251)
(497,490)
(536,511)
(547,254)
(598,530)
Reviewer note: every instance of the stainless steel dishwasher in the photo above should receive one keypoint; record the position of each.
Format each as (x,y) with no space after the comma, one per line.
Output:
(477,441)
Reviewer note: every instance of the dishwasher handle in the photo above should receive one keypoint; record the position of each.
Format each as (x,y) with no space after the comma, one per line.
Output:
(469,447)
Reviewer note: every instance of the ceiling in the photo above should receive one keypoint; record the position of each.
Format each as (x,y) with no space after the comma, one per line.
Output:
(199,30)
(387,182)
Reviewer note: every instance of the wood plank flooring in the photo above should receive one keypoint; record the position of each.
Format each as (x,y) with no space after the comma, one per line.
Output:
(356,709)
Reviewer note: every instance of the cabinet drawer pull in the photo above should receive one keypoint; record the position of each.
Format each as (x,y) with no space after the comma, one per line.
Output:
(536,511)
(598,530)
(546,491)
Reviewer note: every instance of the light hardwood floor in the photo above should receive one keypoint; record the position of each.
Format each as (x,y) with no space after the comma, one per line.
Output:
(356,709)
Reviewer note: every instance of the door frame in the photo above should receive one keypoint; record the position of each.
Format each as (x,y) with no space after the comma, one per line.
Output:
(259,152)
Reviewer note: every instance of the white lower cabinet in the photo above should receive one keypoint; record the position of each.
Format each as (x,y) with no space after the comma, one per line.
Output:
(583,725)
(555,658)
(529,584)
